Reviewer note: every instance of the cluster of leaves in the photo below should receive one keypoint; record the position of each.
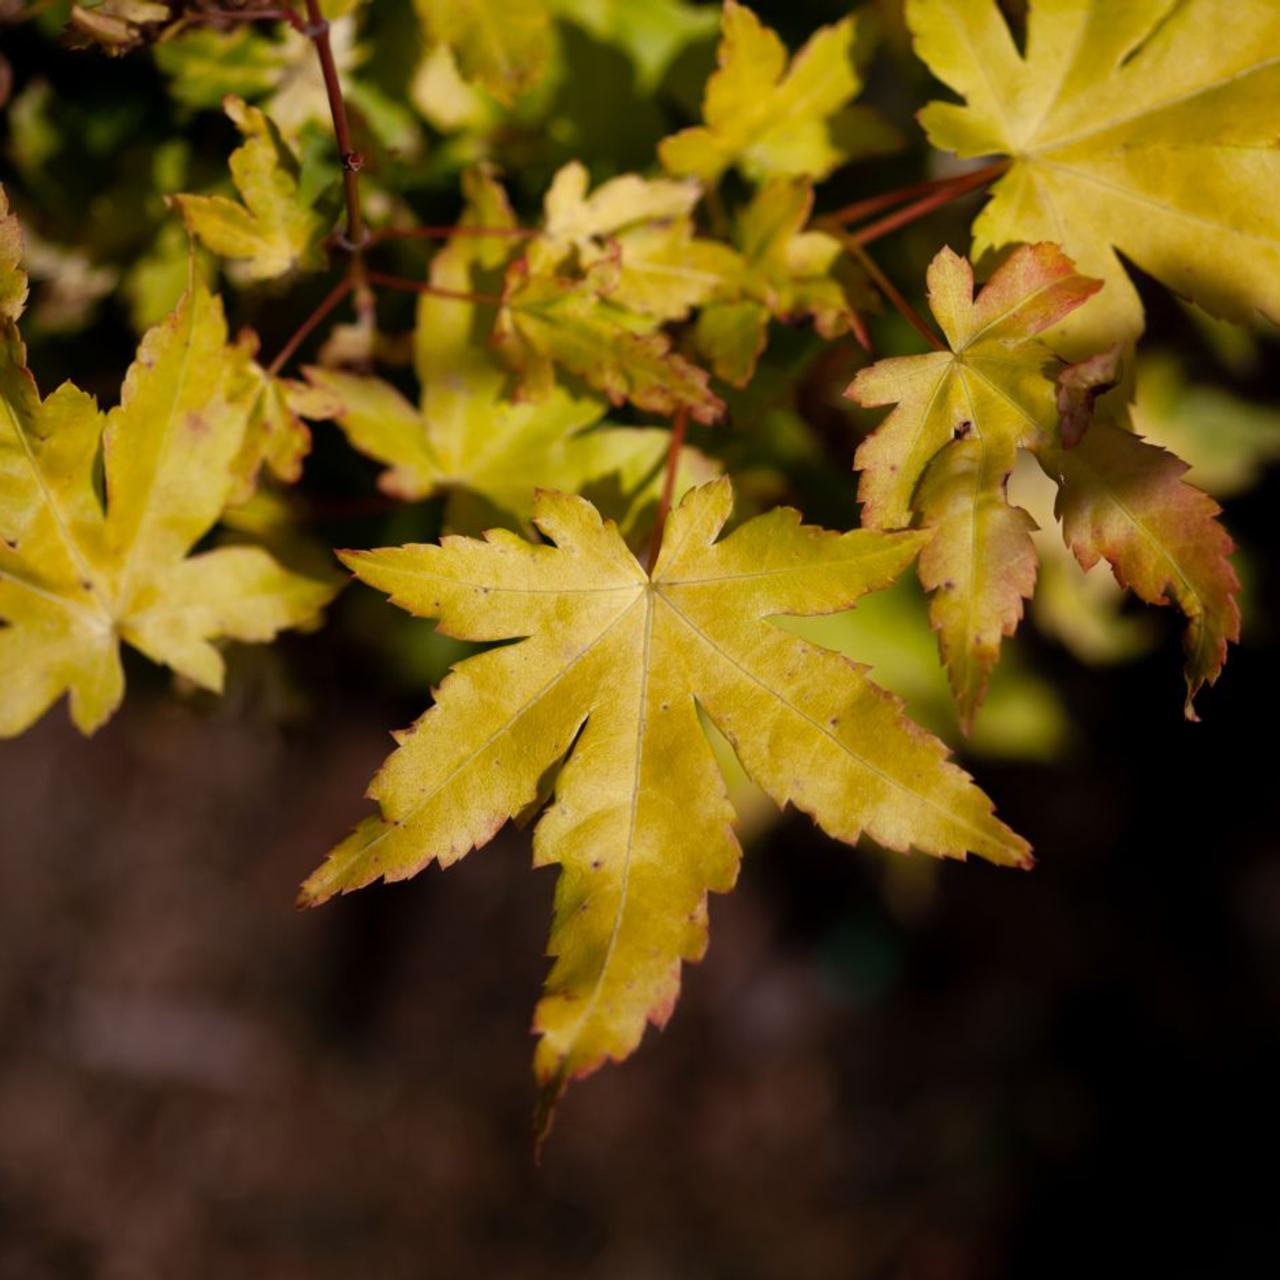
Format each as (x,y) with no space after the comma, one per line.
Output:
(643,632)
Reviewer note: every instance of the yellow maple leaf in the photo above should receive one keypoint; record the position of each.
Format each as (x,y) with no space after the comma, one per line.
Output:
(612,673)
(273,230)
(550,321)
(78,576)
(502,45)
(771,119)
(636,237)
(1147,128)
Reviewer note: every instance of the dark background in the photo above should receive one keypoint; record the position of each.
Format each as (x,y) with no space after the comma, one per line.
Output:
(1067,1072)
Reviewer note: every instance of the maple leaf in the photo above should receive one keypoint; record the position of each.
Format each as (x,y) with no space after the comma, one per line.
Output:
(651,34)
(962,414)
(500,44)
(78,576)
(466,433)
(572,219)
(1147,128)
(1124,500)
(612,670)
(787,273)
(550,320)
(280,72)
(275,433)
(769,119)
(272,231)
(635,238)
(13,279)
(945,453)
(116,27)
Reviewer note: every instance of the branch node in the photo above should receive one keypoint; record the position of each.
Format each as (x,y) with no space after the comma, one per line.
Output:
(353,161)
(314,30)
(343,241)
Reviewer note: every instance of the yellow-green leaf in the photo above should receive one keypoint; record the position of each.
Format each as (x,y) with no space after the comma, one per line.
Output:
(980,564)
(500,44)
(548,321)
(611,669)
(772,119)
(77,578)
(635,236)
(786,272)
(466,433)
(1146,128)
(271,231)
(275,434)
(1226,441)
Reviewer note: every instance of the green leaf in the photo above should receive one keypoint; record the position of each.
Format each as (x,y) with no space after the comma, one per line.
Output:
(784,272)
(651,34)
(1226,441)
(610,669)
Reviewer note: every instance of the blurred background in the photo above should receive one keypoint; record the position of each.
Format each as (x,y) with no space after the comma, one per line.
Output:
(885,1067)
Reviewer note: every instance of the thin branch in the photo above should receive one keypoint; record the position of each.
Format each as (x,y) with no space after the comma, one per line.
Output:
(919,208)
(448,233)
(317,29)
(327,304)
(953,187)
(280,14)
(384,281)
(890,291)
(674,449)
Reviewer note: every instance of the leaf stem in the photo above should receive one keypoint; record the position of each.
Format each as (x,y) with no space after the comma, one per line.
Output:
(890,291)
(949,191)
(674,449)
(447,233)
(327,304)
(384,281)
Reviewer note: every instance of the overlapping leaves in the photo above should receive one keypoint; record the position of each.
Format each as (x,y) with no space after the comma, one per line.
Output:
(467,435)
(944,455)
(80,573)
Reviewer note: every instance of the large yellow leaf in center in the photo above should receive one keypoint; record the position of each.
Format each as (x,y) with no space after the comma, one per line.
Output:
(613,668)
